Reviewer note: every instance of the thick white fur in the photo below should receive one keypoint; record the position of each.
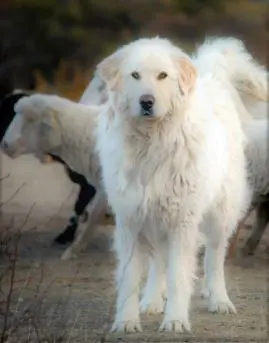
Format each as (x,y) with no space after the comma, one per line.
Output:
(228,56)
(165,175)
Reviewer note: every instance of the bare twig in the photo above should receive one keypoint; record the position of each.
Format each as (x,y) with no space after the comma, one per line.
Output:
(5,177)
(13,195)
(13,259)
(27,216)
(74,325)
(10,292)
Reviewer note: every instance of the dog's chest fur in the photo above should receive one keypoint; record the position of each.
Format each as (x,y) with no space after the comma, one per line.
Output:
(146,178)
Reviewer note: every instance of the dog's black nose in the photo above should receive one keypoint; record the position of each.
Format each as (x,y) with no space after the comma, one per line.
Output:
(147,102)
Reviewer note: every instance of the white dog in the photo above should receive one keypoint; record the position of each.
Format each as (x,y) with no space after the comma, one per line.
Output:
(171,147)
(228,59)
(177,157)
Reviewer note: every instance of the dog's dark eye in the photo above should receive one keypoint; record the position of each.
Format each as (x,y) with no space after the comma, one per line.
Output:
(162,76)
(135,75)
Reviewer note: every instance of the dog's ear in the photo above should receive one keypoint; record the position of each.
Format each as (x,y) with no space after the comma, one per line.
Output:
(109,68)
(187,74)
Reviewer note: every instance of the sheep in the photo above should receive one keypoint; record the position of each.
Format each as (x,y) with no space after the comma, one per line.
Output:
(86,192)
(66,129)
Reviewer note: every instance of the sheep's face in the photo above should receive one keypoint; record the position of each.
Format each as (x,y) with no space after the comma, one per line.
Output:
(31,133)
(21,136)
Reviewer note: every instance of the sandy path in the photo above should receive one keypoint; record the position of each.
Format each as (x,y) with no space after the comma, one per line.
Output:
(75,298)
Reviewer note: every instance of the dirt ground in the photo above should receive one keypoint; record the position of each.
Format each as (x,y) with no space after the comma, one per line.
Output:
(73,301)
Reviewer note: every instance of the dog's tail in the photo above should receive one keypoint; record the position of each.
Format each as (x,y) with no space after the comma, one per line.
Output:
(229,57)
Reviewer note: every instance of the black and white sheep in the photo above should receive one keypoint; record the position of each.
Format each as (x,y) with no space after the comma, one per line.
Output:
(86,191)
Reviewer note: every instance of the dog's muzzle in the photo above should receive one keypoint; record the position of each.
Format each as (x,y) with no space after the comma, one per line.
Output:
(147,102)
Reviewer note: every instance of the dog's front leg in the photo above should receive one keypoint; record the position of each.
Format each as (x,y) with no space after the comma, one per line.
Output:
(214,286)
(128,276)
(182,248)
(154,294)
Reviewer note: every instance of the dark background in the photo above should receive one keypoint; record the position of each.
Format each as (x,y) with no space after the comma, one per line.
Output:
(53,45)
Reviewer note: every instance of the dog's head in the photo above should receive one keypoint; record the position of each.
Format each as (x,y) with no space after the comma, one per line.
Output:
(31,132)
(145,78)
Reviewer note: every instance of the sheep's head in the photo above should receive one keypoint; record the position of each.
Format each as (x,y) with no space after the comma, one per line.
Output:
(34,129)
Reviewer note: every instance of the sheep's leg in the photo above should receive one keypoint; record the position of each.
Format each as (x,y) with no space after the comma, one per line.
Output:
(85,196)
(261,221)
(234,240)
(235,237)
(67,236)
(95,211)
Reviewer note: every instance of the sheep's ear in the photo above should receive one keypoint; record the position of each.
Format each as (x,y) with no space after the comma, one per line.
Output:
(25,109)
(187,74)
(50,132)
(30,116)
(109,69)
(48,120)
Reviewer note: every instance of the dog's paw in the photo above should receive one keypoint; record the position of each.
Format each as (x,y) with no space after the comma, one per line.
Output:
(127,326)
(221,305)
(175,326)
(153,307)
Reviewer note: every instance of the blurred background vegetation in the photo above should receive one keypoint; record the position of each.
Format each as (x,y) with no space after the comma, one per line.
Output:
(53,45)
